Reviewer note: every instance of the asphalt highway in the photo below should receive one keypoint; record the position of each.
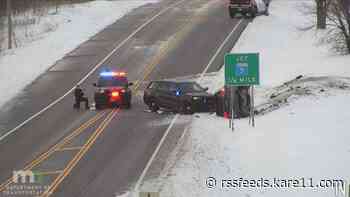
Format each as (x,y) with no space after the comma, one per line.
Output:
(103,153)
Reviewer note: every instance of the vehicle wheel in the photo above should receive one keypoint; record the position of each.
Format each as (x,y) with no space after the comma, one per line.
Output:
(186,108)
(245,15)
(232,13)
(266,12)
(253,15)
(114,105)
(153,106)
(254,12)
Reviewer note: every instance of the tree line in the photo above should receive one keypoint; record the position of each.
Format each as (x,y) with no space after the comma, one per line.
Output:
(19,6)
(24,15)
(333,16)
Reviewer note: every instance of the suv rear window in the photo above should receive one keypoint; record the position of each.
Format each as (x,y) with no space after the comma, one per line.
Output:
(190,87)
(162,85)
(167,86)
(173,86)
(240,1)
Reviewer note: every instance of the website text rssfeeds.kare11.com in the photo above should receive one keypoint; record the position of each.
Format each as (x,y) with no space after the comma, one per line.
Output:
(339,185)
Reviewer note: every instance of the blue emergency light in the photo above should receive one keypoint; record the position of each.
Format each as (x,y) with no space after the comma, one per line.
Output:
(107,74)
(112,74)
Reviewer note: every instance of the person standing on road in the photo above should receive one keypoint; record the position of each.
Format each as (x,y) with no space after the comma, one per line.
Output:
(79,97)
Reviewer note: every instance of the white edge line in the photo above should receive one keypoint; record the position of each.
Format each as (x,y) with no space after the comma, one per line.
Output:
(91,71)
(219,49)
(150,161)
(138,183)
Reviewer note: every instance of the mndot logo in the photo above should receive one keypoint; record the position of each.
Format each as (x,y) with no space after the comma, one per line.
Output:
(26,176)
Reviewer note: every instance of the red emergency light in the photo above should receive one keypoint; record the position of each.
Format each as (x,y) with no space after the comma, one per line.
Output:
(115,94)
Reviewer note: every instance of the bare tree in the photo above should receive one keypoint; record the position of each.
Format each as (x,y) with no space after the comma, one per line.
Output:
(9,22)
(338,33)
(321,13)
(26,14)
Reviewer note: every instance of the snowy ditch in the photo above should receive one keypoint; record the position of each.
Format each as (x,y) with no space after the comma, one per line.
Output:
(300,87)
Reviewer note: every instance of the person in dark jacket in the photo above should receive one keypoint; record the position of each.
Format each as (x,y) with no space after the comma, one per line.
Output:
(79,97)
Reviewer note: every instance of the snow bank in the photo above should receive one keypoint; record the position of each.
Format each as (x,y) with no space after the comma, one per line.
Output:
(292,143)
(58,35)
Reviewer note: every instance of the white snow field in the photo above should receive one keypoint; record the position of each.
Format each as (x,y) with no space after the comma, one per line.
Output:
(56,35)
(304,134)
(306,137)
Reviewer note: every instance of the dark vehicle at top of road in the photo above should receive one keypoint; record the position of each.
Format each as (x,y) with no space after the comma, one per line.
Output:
(178,96)
(112,90)
(243,7)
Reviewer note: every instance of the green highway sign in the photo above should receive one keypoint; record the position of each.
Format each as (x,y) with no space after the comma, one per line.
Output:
(242,69)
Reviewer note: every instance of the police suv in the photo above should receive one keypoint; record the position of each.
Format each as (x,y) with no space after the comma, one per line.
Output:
(112,90)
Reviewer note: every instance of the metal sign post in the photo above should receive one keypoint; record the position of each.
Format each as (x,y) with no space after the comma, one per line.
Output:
(232,101)
(250,109)
(252,113)
(242,69)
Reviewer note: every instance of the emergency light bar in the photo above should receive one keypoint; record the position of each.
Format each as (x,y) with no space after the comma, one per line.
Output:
(113,74)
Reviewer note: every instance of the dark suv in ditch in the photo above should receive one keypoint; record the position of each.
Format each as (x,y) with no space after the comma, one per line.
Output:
(178,96)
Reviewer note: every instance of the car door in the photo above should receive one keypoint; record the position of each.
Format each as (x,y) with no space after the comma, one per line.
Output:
(161,94)
(156,92)
(172,97)
(167,95)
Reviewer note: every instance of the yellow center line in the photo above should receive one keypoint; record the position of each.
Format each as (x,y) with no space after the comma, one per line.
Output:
(164,49)
(53,149)
(80,154)
(66,140)
(168,45)
(99,130)
(149,68)
(69,148)
(49,172)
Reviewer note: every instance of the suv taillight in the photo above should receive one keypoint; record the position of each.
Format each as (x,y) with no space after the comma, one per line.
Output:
(222,92)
